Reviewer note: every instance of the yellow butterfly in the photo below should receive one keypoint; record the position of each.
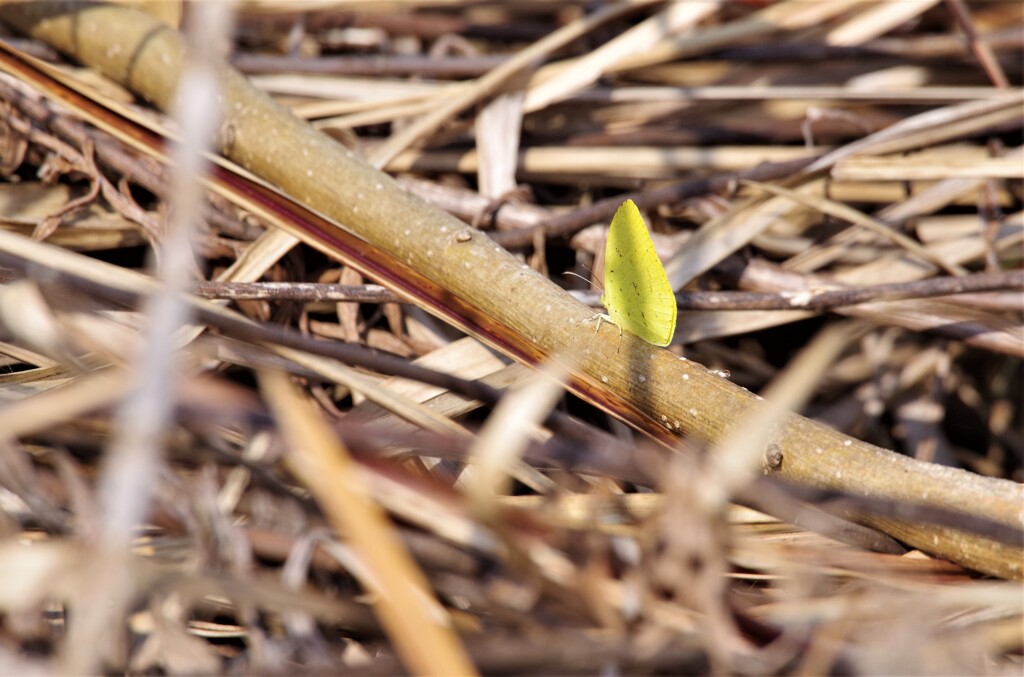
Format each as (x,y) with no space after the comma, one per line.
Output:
(637,293)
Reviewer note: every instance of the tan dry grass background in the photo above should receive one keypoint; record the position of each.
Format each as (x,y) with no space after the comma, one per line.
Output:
(799,163)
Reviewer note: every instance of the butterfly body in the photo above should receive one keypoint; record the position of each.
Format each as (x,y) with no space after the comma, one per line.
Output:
(637,293)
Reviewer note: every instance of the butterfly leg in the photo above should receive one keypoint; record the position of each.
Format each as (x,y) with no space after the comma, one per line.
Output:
(600,318)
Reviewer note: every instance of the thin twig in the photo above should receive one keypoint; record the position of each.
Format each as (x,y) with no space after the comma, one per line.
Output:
(602,210)
(980,48)
(295,291)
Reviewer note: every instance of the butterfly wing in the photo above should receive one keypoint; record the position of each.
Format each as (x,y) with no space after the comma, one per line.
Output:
(637,293)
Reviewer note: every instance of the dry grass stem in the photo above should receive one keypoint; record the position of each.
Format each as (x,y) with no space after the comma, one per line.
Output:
(297,373)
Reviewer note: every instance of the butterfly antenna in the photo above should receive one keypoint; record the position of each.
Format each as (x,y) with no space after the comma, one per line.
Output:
(591,281)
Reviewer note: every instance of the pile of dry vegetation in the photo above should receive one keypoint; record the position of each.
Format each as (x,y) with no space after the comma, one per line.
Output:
(330,403)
